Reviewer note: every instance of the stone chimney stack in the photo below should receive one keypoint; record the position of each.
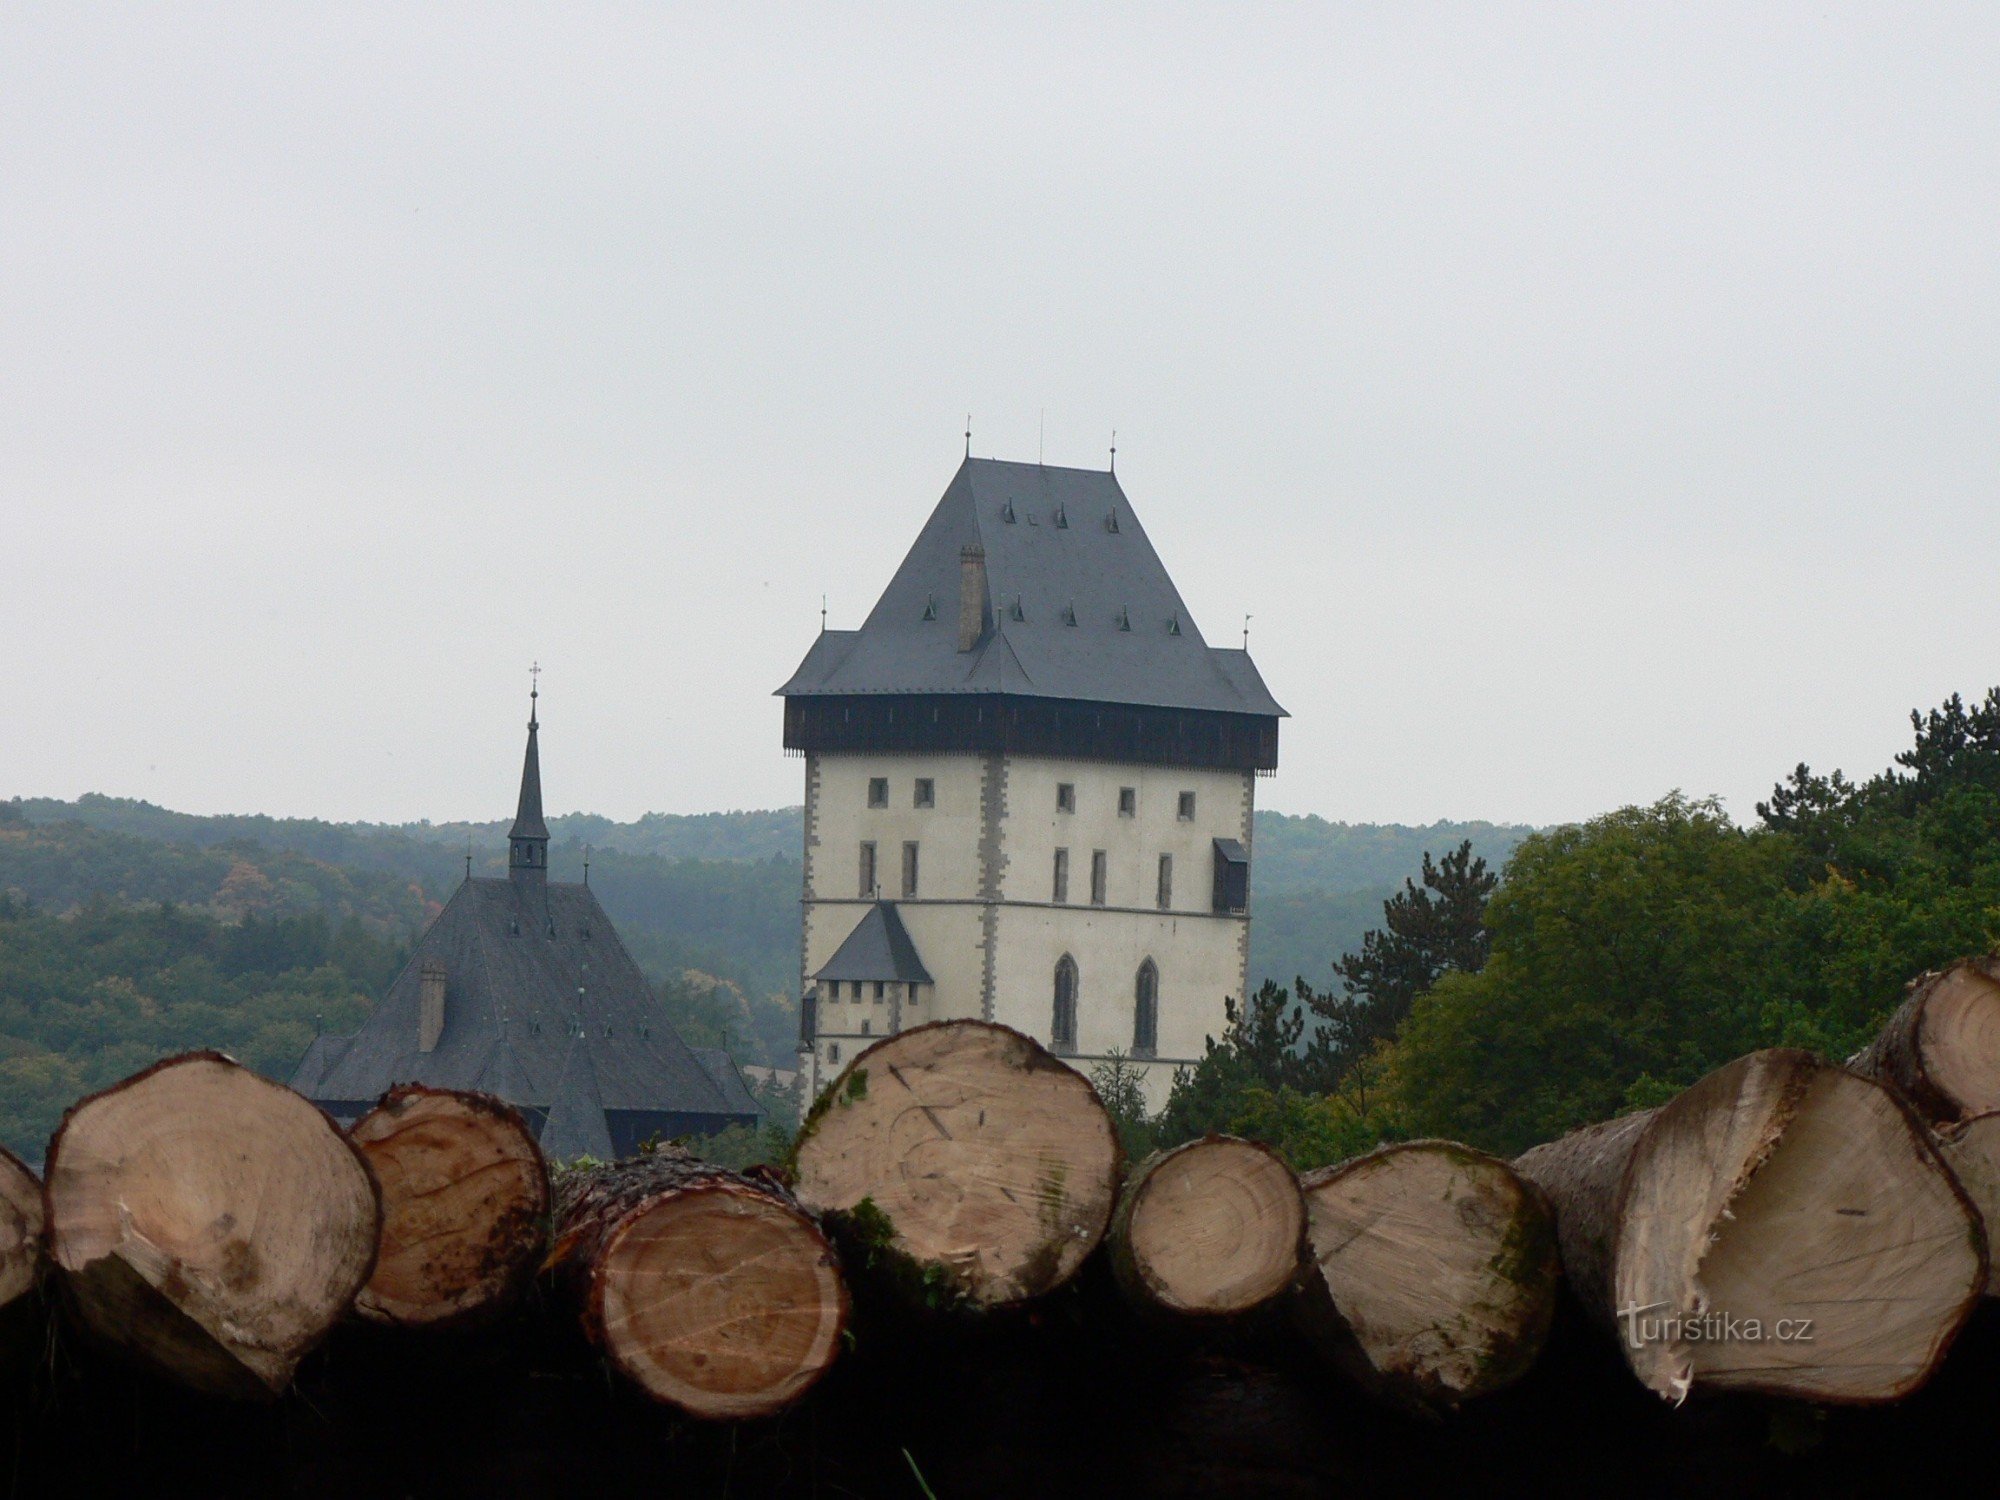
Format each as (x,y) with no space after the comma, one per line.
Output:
(971,596)
(430,1005)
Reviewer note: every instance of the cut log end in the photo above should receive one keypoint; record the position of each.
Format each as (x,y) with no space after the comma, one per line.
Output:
(1442,1263)
(1214,1228)
(1958,1041)
(721,1300)
(1972,1149)
(465,1206)
(980,1158)
(20,1228)
(1784,1227)
(210,1222)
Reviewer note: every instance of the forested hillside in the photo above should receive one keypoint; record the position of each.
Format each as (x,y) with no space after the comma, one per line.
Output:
(121,912)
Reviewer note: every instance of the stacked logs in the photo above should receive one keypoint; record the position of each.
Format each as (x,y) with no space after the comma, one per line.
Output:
(214,1227)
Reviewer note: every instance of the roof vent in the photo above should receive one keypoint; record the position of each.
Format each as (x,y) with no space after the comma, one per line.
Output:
(1124,618)
(1062,519)
(1007,512)
(1015,609)
(1173,624)
(1111,521)
(930,606)
(1069,613)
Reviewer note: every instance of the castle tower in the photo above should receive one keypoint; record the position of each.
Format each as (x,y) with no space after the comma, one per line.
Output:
(1029,785)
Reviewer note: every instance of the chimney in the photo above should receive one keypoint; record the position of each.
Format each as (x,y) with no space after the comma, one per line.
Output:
(430,1005)
(971,596)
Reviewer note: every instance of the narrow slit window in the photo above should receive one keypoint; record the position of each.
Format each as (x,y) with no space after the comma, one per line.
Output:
(1165,894)
(868,869)
(1128,801)
(1187,807)
(1060,893)
(909,872)
(1097,877)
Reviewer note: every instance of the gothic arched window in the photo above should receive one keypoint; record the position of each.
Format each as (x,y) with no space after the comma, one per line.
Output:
(1146,1010)
(1062,1031)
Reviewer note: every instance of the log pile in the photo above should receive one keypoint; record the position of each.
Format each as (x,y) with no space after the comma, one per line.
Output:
(216,1229)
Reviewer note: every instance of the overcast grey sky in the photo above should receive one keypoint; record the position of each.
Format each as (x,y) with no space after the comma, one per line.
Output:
(1586,400)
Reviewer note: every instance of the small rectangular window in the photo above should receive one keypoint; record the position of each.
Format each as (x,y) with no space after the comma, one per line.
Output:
(854,989)
(833,1052)
(909,872)
(868,870)
(1061,892)
(878,791)
(1065,796)
(881,991)
(1128,801)
(1187,807)
(1166,891)
(926,792)
(1097,877)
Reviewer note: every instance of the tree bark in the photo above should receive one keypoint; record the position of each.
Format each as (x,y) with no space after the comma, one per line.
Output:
(1941,1048)
(465,1206)
(1211,1230)
(1784,1227)
(209,1222)
(1441,1262)
(964,1162)
(711,1290)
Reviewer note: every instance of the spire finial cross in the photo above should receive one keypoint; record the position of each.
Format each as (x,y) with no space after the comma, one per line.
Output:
(534,690)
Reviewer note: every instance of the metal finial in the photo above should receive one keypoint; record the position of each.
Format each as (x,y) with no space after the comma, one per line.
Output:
(1246,632)
(534,691)
(1114,450)
(822,614)
(968,434)
(586,864)
(468,857)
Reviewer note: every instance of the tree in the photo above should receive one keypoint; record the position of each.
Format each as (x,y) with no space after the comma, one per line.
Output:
(1637,950)
(1119,1083)
(1427,931)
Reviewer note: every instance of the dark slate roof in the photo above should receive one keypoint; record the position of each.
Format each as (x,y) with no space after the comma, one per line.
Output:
(576,1125)
(526,963)
(1051,554)
(728,1080)
(878,948)
(528,822)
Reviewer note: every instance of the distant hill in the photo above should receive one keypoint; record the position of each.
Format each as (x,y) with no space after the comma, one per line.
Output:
(713,892)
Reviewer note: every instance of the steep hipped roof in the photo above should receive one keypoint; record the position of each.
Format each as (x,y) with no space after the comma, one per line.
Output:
(525,965)
(878,948)
(1081,607)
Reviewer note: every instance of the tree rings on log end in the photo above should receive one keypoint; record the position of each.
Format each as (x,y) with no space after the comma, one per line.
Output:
(1788,1228)
(210,1222)
(465,1206)
(1972,1149)
(719,1298)
(1442,1263)
(970,1152)
(1212,1228)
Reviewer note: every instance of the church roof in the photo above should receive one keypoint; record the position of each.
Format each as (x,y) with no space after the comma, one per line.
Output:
(527,966)
(1081,608)
(878,948)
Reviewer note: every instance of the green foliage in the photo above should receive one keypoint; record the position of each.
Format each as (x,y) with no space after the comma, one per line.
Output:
(88,999)
(1255,1082)
(1118,1082)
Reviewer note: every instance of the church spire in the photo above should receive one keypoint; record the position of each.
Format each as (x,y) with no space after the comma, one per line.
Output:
(528,839)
